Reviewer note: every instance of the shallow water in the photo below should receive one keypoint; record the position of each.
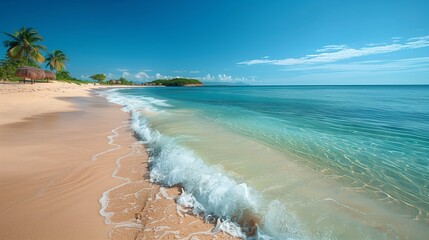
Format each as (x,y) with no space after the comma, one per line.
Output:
(306,162)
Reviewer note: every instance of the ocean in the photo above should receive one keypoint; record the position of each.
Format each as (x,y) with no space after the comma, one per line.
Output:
(303,162)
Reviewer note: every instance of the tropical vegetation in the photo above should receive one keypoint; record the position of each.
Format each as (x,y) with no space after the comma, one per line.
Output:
(24,49)
(125,81)
(24,44)
(176,82)
(121,81)
(98,77)
(56,60)
(9,66)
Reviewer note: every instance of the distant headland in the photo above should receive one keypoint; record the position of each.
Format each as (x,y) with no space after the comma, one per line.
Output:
(175,82)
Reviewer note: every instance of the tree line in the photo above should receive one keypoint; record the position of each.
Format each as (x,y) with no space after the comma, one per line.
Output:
(24,48)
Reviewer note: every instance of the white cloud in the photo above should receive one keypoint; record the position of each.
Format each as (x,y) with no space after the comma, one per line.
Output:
(141,75)
(194,71)
(400,65)
(257,61)
(109,75)
(125,74)
(122,70)
(84,76)
(224,77)
(210,78)
(160,76)
(333,53)
(207,77)
(330,48)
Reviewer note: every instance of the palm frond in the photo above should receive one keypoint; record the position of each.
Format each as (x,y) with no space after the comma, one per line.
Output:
(22,44)
(11,36)
(40,46)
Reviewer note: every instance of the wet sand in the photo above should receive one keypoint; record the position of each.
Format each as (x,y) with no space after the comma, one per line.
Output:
(138,209)
(63,155)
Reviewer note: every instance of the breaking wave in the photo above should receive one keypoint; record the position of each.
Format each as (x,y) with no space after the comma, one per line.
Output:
(207,189)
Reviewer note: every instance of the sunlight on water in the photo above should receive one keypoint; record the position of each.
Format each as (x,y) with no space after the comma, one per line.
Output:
(326,162)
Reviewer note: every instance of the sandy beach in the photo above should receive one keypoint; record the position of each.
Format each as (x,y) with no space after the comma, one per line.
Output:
(71,169)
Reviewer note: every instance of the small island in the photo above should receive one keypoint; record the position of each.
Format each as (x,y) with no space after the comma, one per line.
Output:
(176,82)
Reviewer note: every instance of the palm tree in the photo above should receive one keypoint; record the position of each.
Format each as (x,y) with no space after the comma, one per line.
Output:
(23,45)
(56,60)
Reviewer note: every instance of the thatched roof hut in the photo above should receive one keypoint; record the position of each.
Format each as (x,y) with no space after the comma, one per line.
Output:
(50,75)
(31,73)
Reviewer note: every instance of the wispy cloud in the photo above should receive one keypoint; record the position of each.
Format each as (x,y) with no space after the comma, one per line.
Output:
(333,53)
(141,75)
(330,48)
(125,74)
(161,76)
(195,71)
(225,78)
(109,75)
(401,65)
(207,77)
(122,69)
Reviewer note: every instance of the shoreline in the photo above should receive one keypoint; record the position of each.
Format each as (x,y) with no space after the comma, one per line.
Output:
(140,209)
(61,160)
(183,142)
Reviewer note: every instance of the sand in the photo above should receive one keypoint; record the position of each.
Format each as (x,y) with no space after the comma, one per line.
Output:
(71,169)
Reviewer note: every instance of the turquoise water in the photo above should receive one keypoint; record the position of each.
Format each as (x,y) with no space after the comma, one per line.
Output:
(307,162)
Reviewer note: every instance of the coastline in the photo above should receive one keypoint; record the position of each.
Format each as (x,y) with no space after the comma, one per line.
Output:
(64,152)
(309,201)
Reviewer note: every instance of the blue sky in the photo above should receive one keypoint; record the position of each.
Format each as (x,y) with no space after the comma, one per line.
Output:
(256,42)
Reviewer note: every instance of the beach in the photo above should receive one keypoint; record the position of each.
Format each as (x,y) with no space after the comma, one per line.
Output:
(97,162)
(255,120)
(71,168)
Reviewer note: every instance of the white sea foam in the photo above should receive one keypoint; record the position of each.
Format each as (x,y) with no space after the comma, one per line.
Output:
(105,198)
(207,190)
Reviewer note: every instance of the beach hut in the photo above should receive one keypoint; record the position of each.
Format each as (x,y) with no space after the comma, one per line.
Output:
(30,73)
(49,76)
